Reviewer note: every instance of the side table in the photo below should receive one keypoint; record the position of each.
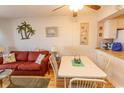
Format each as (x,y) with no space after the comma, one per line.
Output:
(5,74)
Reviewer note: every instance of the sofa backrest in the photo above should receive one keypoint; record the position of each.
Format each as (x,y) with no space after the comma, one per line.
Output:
(29,56)
(21,55)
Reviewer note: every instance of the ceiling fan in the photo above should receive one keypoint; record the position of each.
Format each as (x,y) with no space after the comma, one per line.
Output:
(75,9)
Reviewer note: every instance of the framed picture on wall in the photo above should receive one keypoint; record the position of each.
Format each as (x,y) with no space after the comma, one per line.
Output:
(51,31)
(84,30)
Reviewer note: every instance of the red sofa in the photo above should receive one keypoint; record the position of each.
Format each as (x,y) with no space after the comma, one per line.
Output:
(25,63)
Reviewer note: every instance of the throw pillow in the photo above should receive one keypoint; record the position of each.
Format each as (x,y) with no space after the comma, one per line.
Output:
(9,58)
(39,58)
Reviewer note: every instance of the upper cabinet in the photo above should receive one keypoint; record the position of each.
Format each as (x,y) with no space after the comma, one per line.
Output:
(107,26)
(120,23)
(110,28)
(111,25)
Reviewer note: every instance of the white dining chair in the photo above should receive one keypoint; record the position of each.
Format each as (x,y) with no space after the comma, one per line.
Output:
(86,83)
(54,67)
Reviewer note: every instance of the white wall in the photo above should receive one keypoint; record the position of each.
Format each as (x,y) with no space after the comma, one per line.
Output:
(6,35)
(69,34)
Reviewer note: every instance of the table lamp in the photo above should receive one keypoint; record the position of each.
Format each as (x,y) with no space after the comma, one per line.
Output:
(54,51)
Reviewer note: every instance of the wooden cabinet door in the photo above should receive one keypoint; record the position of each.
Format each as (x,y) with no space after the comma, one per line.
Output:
(101,58)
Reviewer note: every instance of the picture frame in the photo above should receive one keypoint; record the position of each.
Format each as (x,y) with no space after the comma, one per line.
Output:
(84,31)
(51,31)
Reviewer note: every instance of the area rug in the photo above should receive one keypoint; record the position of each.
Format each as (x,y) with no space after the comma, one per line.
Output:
(29,83)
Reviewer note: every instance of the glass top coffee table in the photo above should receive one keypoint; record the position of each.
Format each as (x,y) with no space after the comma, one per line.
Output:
(4,74)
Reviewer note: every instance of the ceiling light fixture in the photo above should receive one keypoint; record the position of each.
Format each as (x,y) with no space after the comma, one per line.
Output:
(75,7)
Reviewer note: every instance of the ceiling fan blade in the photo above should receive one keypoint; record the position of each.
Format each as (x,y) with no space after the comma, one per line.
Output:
(95,7)
(58,8)
(75,14)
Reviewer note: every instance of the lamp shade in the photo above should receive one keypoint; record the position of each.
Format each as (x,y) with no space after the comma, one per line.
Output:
(53,49)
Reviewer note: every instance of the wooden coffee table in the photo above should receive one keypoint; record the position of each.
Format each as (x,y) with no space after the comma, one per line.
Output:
(5,74)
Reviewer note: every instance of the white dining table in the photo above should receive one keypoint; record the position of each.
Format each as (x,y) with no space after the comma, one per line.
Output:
(88,70)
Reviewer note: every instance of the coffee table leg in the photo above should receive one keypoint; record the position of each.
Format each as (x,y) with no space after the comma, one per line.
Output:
(1,84)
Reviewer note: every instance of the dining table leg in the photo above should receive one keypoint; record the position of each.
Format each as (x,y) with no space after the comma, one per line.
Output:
(65,82)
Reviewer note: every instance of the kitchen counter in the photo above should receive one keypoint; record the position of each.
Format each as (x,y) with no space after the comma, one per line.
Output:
(113,53)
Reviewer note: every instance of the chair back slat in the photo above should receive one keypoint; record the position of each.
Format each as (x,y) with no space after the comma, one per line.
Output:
(86,83)
(54,65)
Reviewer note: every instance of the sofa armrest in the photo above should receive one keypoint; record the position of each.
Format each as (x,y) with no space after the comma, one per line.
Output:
(1,60)
(46,59)
(44,64)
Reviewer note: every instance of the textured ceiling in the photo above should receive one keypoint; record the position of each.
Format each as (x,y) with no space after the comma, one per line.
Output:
(17,11)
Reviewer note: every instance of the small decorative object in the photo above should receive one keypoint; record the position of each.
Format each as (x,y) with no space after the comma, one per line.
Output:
(84,33)
(117,46)
(39,59)
(9,58)
(54,51)
(58,58)
(100,28)
(25,30)
(51,31)
(77,62)
(100,34)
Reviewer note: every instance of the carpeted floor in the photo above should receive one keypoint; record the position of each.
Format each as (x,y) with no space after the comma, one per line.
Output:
(29,83)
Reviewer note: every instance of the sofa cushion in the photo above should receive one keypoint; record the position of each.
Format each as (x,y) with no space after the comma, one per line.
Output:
(34,55)
(29,66)
(10,65)
(28,73)
(21,55)
(39,59)
(9,58)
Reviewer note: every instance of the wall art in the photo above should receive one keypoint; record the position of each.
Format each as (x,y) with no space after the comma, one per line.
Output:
(51,31)
(84,30)
(25,30)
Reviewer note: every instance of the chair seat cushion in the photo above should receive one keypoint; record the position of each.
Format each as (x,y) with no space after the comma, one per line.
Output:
(29,66)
